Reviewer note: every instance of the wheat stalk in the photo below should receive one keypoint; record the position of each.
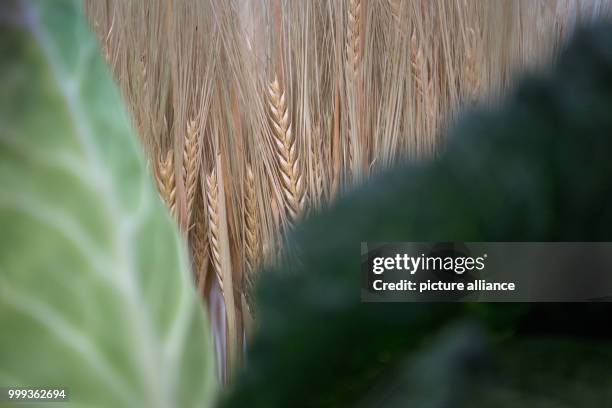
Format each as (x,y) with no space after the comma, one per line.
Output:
(199,244)
(423,81)
(251,224)
(417,63)
(214,226)
(251,236)
(353,49)
(318,174)
(220,251)
(353,46)
(336,146)
(190,167)
(164,175)
(286,152)
(350,154)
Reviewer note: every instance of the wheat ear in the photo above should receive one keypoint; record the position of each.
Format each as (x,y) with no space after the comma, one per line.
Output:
(212,203)
(336,146)
(417,63)
(219,246)
(164,175)
(287,152)
(422,80)
(354,51)
(252,244)
(251,224)
(199,244)
(190,167)
(353,46)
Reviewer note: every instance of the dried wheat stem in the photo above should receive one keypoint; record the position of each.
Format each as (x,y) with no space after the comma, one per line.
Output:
(190,167)
(287,152)
(214,226)
(164,175)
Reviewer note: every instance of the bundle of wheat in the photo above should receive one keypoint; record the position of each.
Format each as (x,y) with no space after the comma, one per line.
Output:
(255,112)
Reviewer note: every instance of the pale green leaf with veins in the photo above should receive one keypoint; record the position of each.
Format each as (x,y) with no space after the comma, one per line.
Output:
(95,293)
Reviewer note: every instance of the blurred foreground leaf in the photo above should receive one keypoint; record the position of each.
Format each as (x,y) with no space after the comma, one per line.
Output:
(458,370)
(547,372)
(95,293)
(438,376)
